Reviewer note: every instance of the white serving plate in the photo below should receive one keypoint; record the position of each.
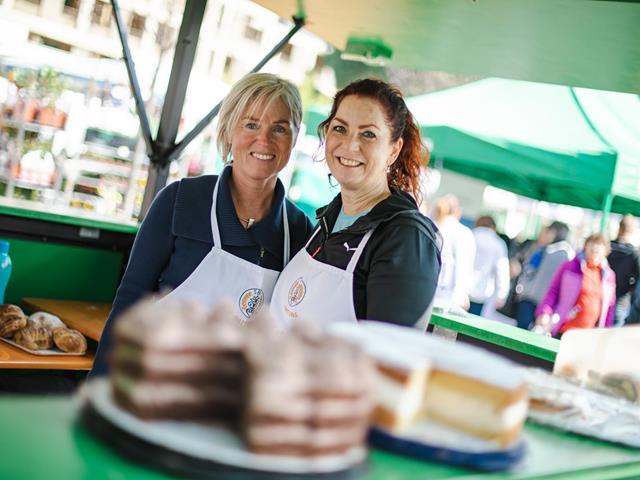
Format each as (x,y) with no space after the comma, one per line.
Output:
(209,442)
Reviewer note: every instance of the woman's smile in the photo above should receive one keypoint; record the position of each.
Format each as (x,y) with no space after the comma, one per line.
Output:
(347,162)
(263,156)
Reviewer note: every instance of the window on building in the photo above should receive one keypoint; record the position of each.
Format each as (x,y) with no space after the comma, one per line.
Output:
(71,8)
(136,25)
(49,42)
(165,34)
(229,67)
(250,32)
(101,14)
(285,53)
(220,15)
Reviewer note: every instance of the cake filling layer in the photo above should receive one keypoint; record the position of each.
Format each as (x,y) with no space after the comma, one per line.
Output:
(141,392)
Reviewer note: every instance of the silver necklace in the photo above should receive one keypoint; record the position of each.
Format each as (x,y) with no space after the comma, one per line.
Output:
(247,221)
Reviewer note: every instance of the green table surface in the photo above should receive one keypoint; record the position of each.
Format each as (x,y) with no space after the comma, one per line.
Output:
(508,336)
(60,214)
(41,439)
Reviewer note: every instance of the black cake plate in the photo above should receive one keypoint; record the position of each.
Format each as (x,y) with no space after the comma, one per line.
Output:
(200,451)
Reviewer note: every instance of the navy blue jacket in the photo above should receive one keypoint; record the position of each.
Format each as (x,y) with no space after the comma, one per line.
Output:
(175,236)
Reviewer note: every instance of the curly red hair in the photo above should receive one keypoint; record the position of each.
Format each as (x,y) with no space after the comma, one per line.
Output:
(404,173)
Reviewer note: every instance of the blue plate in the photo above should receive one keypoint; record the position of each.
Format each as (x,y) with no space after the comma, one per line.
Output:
(487,461)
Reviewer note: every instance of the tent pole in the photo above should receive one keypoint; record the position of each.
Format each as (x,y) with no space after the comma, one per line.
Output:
(606,209)
(183,58)
(145,129)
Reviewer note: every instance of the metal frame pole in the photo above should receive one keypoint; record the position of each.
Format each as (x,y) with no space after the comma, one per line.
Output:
(133,79)
(178,148)
(163,149)
(183,58)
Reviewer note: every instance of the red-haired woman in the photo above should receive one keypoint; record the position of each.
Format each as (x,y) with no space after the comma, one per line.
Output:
(373,255)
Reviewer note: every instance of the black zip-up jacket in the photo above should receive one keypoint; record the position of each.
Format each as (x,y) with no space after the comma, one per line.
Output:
(396,276)
(624,261)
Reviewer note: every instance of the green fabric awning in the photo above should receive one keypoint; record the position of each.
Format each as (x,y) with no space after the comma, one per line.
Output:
(554,143)
(588,43)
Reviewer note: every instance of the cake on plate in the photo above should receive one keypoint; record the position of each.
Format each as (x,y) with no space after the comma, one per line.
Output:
(466,388)
(178,361)
(309,394)
(300,393)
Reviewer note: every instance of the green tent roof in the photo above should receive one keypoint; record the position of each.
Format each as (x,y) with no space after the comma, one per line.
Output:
(587,43)
(554,143)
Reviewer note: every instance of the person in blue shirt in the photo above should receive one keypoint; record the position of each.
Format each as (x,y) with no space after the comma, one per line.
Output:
(227,236)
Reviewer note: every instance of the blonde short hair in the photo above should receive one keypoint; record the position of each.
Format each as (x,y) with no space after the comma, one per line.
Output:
(253,89)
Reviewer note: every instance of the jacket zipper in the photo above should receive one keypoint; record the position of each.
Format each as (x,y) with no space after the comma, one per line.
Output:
(261,256)
(324,239)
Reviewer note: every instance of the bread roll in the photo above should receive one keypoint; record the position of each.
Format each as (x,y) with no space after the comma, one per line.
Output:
(46,320)
(12,319)
(34,338)
(70,341)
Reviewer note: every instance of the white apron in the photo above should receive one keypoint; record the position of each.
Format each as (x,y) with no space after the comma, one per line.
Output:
(314,291)
(223,275)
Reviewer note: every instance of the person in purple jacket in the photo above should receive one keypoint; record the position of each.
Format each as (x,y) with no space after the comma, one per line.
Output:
(582,293)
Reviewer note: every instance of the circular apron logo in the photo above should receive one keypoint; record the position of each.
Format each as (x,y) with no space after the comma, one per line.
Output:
(250,301)
(297,292)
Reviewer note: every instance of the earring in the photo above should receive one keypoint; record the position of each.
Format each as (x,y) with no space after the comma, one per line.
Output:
(329,177)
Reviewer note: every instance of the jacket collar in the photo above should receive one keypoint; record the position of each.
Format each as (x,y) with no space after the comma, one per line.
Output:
(193,207)
(604,266)
(558,246)
(397,203)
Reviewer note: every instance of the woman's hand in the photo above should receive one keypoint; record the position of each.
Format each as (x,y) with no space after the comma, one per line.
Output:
(543,325)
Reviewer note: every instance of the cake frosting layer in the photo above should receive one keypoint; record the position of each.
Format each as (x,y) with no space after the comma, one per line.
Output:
(460,386)
(158,363)
(388,342)
(141,392)
(179,325)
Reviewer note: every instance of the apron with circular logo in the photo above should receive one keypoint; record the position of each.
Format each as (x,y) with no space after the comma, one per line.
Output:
(223,275)
(314,291)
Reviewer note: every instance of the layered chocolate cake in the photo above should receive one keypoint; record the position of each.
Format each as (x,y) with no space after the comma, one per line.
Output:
(177,361)
(300,393)
(309,394)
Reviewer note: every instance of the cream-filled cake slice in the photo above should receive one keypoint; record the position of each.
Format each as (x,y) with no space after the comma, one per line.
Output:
(400,385)
(466,388)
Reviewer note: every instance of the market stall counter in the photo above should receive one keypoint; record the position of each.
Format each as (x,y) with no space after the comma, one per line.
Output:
(12,358)
(522,346)
(42,439)
(49,243)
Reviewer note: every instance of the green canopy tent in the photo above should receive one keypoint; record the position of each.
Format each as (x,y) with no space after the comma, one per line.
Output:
(554,143)
(586,43)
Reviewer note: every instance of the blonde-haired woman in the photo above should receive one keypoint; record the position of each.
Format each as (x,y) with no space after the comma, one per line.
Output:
(227,236)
